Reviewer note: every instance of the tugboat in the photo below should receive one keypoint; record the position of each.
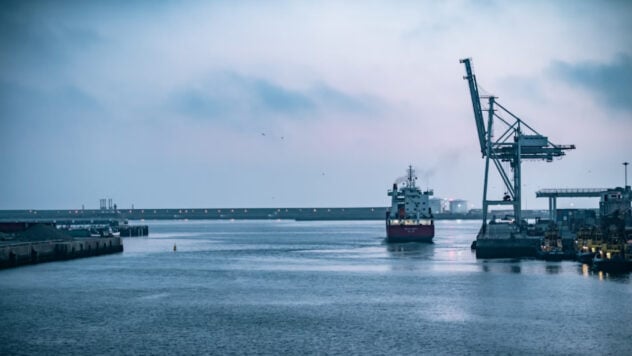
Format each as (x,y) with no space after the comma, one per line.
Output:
(409,219)
(615,254)
(551,248)
(589,239)
(615,258)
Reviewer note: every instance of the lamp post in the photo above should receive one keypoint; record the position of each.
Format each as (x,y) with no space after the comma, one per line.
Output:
(625,165)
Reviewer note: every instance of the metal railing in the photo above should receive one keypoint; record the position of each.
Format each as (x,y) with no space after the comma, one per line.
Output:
(571,192)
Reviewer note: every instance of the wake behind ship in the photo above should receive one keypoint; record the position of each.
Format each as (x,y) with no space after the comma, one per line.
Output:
(409,219)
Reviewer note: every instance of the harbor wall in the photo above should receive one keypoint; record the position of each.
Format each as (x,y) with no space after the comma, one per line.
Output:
(133,230)
(25,253)
(507,248)
(501,240)
(307,213)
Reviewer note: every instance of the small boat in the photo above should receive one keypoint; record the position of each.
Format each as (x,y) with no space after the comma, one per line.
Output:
(105,232)
(589,239)
(551,246)
(109,232)
(614,259)
(585,257)
(78,232)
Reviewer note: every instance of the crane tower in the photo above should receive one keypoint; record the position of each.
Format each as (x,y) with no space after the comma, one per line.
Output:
(517,141)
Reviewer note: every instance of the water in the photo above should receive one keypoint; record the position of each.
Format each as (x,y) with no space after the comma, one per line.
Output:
(285,287)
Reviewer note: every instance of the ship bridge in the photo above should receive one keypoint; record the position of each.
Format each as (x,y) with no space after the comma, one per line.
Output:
(553,194)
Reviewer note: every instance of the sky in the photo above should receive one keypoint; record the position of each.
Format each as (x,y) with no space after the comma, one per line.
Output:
(161,104)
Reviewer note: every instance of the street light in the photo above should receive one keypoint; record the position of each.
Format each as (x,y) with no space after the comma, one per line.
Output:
(625,165)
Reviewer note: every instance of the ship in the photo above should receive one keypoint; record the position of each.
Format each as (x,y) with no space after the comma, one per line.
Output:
(615,252)
(409,219)
(552,247)
(589,240)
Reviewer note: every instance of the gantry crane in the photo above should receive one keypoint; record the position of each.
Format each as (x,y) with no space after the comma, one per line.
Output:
(516,142)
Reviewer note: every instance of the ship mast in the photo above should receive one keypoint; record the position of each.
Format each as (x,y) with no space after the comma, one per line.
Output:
(411,177)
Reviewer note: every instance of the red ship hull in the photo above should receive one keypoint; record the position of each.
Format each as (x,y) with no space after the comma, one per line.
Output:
(409,233)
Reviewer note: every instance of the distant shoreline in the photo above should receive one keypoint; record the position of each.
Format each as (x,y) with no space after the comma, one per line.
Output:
(299,214)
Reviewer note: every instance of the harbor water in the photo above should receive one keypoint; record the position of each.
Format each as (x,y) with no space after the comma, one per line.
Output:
(318,287)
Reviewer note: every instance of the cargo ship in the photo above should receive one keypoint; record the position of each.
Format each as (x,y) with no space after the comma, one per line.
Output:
(409,219)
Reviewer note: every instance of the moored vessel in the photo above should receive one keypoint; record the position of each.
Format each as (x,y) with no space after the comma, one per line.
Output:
(615,255)
(409,219)
(551,245)
(615,252)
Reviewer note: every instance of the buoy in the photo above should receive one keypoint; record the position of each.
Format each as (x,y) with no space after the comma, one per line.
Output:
(174,247)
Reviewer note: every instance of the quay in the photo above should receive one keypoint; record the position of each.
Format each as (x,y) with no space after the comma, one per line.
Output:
(76,225)
(26,253)
(502,240)
(505,240)
(25,239)
(44,243)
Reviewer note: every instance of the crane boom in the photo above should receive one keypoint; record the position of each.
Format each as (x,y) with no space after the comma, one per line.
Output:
(476,104)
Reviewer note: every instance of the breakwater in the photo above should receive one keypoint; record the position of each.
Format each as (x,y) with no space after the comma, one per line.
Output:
(133,230)
(299,214)
(25,253)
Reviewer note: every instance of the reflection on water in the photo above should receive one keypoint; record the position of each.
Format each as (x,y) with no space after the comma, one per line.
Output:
(410,249)
(506,266)
(410,256)
(553,269)
(586,270)
(515,269)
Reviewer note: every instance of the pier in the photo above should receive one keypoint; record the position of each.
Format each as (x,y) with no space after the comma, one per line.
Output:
(23,243)
(502,240)
(14,254)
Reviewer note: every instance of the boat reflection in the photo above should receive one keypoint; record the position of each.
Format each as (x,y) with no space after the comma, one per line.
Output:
(587,271)
(409,256)
(410,249)
(506,266)
(553,268)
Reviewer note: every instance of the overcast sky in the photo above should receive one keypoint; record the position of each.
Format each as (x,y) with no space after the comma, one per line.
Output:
(292,103)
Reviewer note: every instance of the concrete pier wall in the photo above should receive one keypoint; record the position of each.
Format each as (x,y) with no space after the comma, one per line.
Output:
(507,248)
(25,253)
(503,241)
(306,213)
(133,230)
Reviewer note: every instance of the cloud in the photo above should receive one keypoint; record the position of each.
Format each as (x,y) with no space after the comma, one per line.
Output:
(275,98)
(47,107)
(611,81)
(328,97)
(229,95)
(49,43)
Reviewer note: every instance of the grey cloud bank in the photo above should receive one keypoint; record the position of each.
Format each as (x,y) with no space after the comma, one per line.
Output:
(224,96)
(610,82)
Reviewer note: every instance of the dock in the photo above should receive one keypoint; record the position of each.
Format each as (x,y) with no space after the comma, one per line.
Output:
(26,253)
(503,241)
(32,243)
